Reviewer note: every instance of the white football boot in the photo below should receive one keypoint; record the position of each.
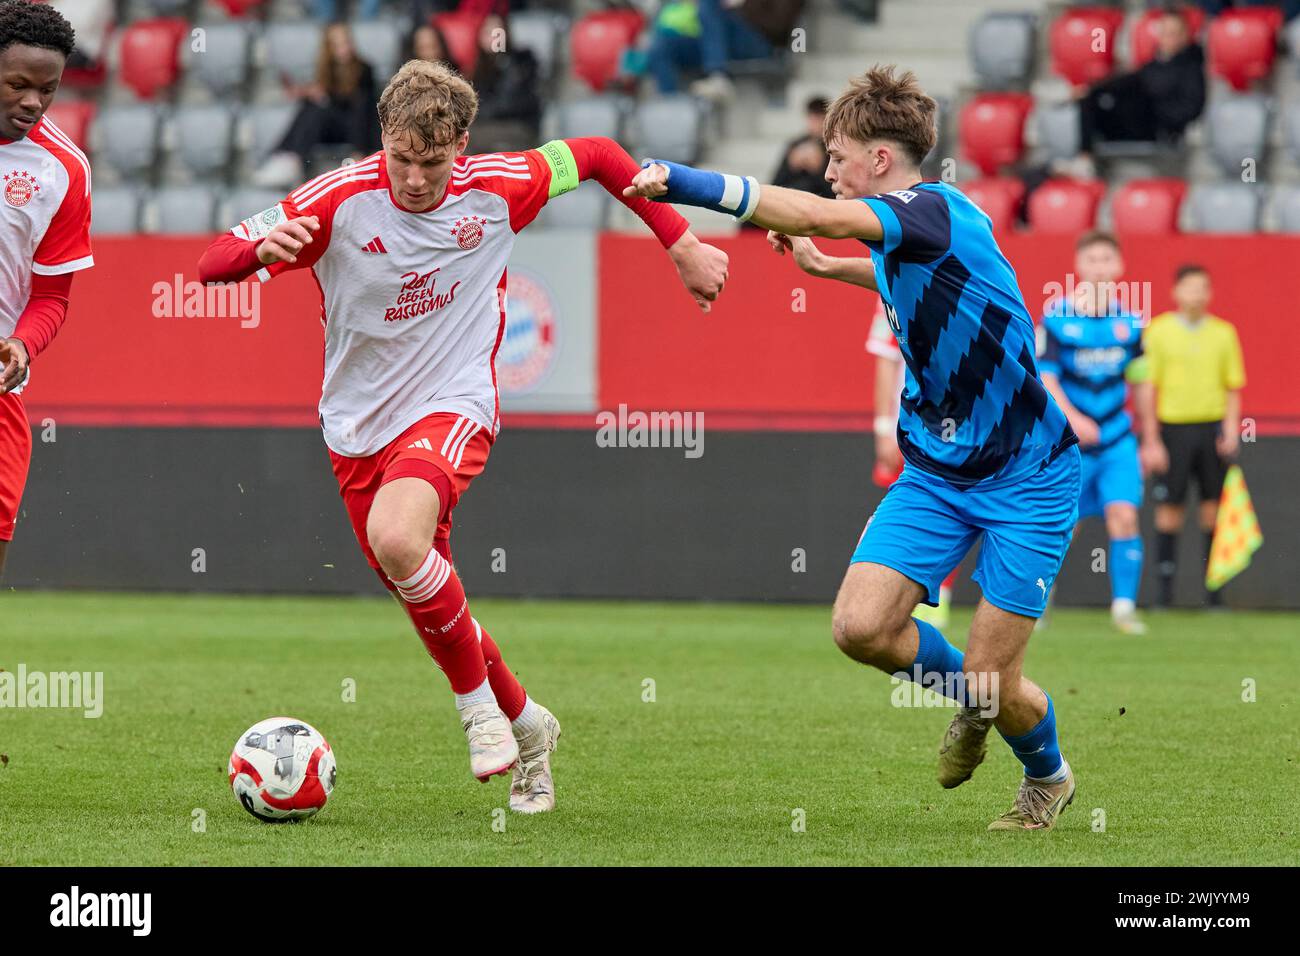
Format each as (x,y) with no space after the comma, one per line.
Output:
(492,747)
(531,788)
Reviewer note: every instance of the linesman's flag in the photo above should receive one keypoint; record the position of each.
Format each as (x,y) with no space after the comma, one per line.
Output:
(1236,532)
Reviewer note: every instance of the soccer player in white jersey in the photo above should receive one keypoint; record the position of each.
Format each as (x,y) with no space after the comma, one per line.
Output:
(409,247)
(44,224)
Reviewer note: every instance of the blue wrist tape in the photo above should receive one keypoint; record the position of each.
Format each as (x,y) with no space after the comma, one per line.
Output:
(735,195)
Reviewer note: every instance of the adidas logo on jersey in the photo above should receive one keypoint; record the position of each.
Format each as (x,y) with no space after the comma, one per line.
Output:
(375,245)
(421,443)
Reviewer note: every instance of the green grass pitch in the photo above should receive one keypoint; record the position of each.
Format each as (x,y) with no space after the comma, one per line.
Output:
(755,718)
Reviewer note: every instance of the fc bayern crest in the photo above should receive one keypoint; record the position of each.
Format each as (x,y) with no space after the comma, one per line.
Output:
(468,231)
(528,349)
(20,187)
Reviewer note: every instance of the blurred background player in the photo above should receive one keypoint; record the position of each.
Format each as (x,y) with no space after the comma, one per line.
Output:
(1090,348)
(1197,371)
(409,248)
(44,224)
(1008,478)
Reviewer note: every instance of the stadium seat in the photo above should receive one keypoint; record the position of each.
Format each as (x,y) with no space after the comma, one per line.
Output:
(1224,207)
(1238,131)
(263,127)
(587,207)
(999,197)
(223,64)
(1002,50)
(379,42)
(1286,206)
(1143,39)
(244,201)
(1058,130)
(1064,205)
(205,138)
(460,30)
(115,211)
(169,8)
(587,116)
(292,49)
(239,8)
(669,127)
(1242,44)
(539,31)
(150,54)
(991,128)
(126,137)
(1082,43)
(1147,206)
(74,118)
(596,45)
(182,211)
(1291,131)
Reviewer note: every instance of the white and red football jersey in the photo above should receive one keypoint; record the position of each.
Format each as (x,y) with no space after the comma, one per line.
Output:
(882,343)
(44,214)
(413,303)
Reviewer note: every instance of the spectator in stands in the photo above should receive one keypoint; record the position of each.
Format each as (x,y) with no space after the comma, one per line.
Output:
(506,80)
(426,42)
(1194,361)
(803,165)
(338,109)
(702,36)
(1154,103)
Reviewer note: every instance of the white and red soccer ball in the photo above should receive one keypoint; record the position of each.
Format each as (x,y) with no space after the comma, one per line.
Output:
(282,769)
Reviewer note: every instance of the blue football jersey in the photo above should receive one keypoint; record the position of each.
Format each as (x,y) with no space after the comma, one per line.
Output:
(1090,355)
(974,410)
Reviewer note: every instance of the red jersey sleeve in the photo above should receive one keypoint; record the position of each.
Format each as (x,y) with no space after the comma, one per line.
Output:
(65,247)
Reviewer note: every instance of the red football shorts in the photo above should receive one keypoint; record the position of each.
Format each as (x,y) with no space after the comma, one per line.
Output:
(445,449)
(15,458)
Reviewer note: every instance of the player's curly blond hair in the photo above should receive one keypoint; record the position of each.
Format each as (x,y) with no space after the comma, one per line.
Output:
(880,105)
(430,101)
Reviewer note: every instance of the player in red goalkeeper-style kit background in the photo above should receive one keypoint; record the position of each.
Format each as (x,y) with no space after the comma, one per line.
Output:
(44,224)
(409,247)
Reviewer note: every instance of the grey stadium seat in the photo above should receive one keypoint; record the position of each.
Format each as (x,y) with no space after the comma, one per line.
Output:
(223,64)
(1058,130)
(379,43)
(204,138)
(245,201)
(1291,130)
(1224,207)
(126,137)
(1238,130)
(669,127)
(292,49)
(183,211)
(585,208)
(115,211)
(264,127)
(589,116)
(1287,208)
(1002,49)
(539,31)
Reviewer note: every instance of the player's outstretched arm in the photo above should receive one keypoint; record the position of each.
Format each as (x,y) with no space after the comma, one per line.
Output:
(788,211)
(858,270)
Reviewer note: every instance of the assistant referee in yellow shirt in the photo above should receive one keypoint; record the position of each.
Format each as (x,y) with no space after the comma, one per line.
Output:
(1194,360)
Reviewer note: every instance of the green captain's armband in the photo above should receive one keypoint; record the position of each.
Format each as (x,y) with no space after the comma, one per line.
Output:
(564,168)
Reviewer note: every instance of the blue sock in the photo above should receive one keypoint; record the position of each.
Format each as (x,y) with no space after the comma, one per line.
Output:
(934,655)
(1125,568)
(1038,749)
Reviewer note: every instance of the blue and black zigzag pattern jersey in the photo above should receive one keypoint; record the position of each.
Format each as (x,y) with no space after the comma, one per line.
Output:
(1090,355)
(973,409)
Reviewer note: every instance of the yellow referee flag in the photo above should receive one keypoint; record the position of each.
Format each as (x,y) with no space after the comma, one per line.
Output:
(1236,532)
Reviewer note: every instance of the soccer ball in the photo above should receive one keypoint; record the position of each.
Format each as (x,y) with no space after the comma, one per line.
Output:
(282,769)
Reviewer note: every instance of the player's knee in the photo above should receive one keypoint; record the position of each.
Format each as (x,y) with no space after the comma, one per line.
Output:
(399,552)
(1122,522)
(864,634)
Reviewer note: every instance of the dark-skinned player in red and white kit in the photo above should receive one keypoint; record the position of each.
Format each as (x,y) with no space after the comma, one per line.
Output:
(44,224)
(409,247)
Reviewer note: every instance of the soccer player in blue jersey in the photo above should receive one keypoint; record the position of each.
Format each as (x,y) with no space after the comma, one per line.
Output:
(989,455)
(1090,349)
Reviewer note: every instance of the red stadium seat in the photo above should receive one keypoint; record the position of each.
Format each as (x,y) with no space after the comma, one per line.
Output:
(1243,43)
(1082,43)
(1144,40)
(1065,205)
(597,42)
(1148,206)
(73,117)
(460,30)
(999,197)
(151,54)
(991,129)
(239,8)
